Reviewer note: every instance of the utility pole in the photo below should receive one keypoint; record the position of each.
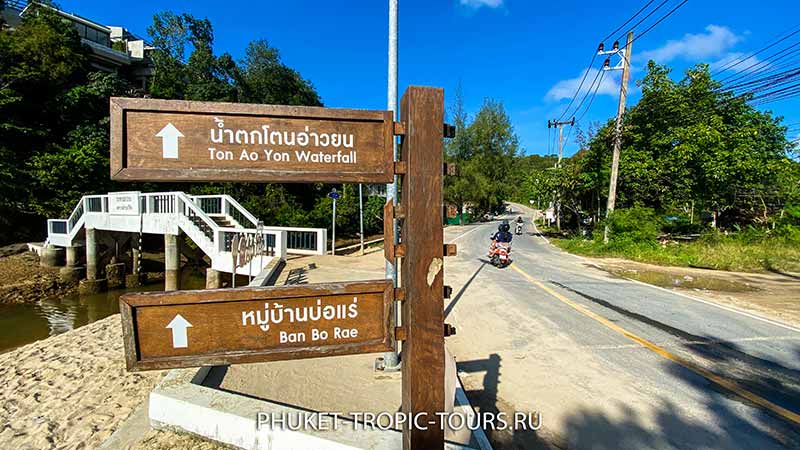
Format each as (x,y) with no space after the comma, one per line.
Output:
(560,126)
(334,196)
(361,215)
(625,65)
(391,360)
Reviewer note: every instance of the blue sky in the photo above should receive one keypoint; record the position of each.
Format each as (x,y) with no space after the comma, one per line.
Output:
(527,54)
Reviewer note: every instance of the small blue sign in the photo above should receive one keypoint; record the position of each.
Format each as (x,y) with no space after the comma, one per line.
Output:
(333,194)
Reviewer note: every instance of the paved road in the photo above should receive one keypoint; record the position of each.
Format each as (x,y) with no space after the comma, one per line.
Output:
(612,363)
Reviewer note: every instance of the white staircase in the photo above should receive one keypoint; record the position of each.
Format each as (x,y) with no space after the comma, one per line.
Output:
(210,221)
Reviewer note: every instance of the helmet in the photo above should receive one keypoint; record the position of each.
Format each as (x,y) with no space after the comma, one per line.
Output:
(504,226)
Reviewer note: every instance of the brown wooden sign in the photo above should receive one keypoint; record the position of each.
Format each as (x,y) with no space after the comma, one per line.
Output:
(175,140)
(226,326)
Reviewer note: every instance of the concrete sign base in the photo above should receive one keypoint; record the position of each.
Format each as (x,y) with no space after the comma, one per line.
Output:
(181,403)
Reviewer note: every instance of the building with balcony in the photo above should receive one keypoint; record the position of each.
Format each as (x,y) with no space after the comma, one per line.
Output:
(114,49)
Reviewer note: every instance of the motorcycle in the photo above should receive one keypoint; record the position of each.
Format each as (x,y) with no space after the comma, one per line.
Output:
(499,254)
(518,229)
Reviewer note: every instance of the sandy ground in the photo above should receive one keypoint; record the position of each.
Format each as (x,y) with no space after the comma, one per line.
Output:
(69,391)
(774,295)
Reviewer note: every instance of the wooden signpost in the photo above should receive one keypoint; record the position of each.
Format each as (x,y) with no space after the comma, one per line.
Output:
(171,140)
(422,112)
(160,140)
(229,326)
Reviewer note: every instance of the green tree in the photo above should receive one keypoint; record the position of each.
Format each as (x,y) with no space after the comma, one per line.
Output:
(263,78)
(688,142)
(484,151)
(41,60)
(200,76)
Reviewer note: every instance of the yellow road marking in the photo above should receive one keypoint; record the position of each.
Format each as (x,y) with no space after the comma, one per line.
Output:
(725,383)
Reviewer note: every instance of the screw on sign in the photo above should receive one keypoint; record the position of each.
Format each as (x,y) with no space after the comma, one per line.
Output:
(167,140)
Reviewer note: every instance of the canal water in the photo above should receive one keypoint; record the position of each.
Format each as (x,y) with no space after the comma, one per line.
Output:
(22,324)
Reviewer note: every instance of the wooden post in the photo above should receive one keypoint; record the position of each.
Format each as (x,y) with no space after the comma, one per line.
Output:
(423,359)
(623,94)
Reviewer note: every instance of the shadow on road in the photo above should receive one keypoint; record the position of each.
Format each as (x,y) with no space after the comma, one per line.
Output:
(623,427)
(455,299)
(487,402)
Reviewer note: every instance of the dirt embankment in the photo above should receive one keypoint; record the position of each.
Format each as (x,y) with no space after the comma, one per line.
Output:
(773,295)
(23,281)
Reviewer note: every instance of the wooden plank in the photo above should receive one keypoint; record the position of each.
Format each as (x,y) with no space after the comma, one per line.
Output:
(175,140)
(422,110)
(388,231)
(229,326)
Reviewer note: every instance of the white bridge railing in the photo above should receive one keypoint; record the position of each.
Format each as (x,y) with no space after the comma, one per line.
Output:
(211,221)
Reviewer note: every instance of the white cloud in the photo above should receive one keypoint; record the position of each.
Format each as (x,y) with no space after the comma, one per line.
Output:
(565,89)
(713,43)
(479,3)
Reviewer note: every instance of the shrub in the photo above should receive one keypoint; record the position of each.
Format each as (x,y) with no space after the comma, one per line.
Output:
(637,225)
(680,225)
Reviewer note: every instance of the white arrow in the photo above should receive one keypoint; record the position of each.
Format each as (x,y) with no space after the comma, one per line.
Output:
(179,326)
(169,141)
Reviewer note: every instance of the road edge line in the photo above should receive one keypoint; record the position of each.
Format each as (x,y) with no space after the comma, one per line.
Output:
(729,385)
(728,308)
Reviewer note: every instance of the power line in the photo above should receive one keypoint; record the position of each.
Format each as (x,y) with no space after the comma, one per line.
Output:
(594,55)
(583,80)
(597,75)
(735,63)
(644,18)
(765,74)
(591,100)
(663,18)
(742,73)
(628,21)
(765,82)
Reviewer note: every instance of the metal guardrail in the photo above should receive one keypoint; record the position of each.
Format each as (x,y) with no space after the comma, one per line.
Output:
(57,226)
(210,205)
(76,215)
(301,240)
(94,204)
(268,247)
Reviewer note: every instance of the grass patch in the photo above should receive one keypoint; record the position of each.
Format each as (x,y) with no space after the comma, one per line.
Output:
(719,252)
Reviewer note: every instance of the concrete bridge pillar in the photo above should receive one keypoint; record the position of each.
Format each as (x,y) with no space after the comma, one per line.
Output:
(93,283)
(213,279)
(92,255)
(172,263)
(51,256)
(73,256)
(72,272)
